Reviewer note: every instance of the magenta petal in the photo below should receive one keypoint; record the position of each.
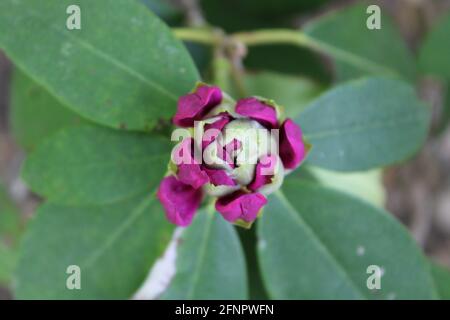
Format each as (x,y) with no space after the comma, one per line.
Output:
(292,148)
(240,205)
(192,174)
(183,153)
(218,125)
(264,172)
(258,110)
(189,170)
(219,177)
(195,106)
(224,119)
(179,200)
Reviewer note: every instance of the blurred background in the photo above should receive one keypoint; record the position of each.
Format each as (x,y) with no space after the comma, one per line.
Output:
(417,192)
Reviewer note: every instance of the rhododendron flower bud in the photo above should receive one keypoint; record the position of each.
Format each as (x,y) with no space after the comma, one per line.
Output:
(237,152)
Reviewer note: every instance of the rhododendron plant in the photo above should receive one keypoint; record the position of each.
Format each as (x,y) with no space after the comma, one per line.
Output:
(209,149)
(237,152)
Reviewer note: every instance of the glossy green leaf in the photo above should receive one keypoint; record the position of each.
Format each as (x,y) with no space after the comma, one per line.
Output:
(317,243)
(435,52)
(364,124)
(359,50)
(293,93)
(441,276)
(88,165)
(210,262)
(35,113)
(124,68)
(114,246)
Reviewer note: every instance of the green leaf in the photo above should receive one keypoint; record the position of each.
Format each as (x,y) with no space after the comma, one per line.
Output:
(433,56)
(293,93)
(364,124)
(10,232)
(8,260)
(366,185)
(317,243)
(441,276)
(210,261)
(35,114)
(123,69)
(94,165)
(358,50)
(10,224)
(114,246)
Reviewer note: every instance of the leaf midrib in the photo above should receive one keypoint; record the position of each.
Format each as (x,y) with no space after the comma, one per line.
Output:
(118,163)
(300,221)
(96,52)
(92,258)
(351,58)
(361,128)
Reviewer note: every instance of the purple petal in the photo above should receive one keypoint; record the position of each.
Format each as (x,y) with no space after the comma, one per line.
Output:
(183,153)
(180,201)
(192,174)
(292,148)
(240,205)
(218,125)
(195,106)
(189,170)
(219,177)
(264,172)
(258,110)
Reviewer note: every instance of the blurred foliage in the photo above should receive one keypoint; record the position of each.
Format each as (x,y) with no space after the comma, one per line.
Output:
(165,10)
(441,276)
(434,59)
(235,15)
(10,231)
(287,59)
(375,51)
(290,92)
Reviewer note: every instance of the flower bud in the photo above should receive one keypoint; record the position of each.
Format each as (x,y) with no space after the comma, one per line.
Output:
(238,152)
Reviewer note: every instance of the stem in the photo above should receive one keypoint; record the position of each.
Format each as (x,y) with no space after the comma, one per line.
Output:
(272,36)
(284,36)
(221,70)
(199,35)
(298,38)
